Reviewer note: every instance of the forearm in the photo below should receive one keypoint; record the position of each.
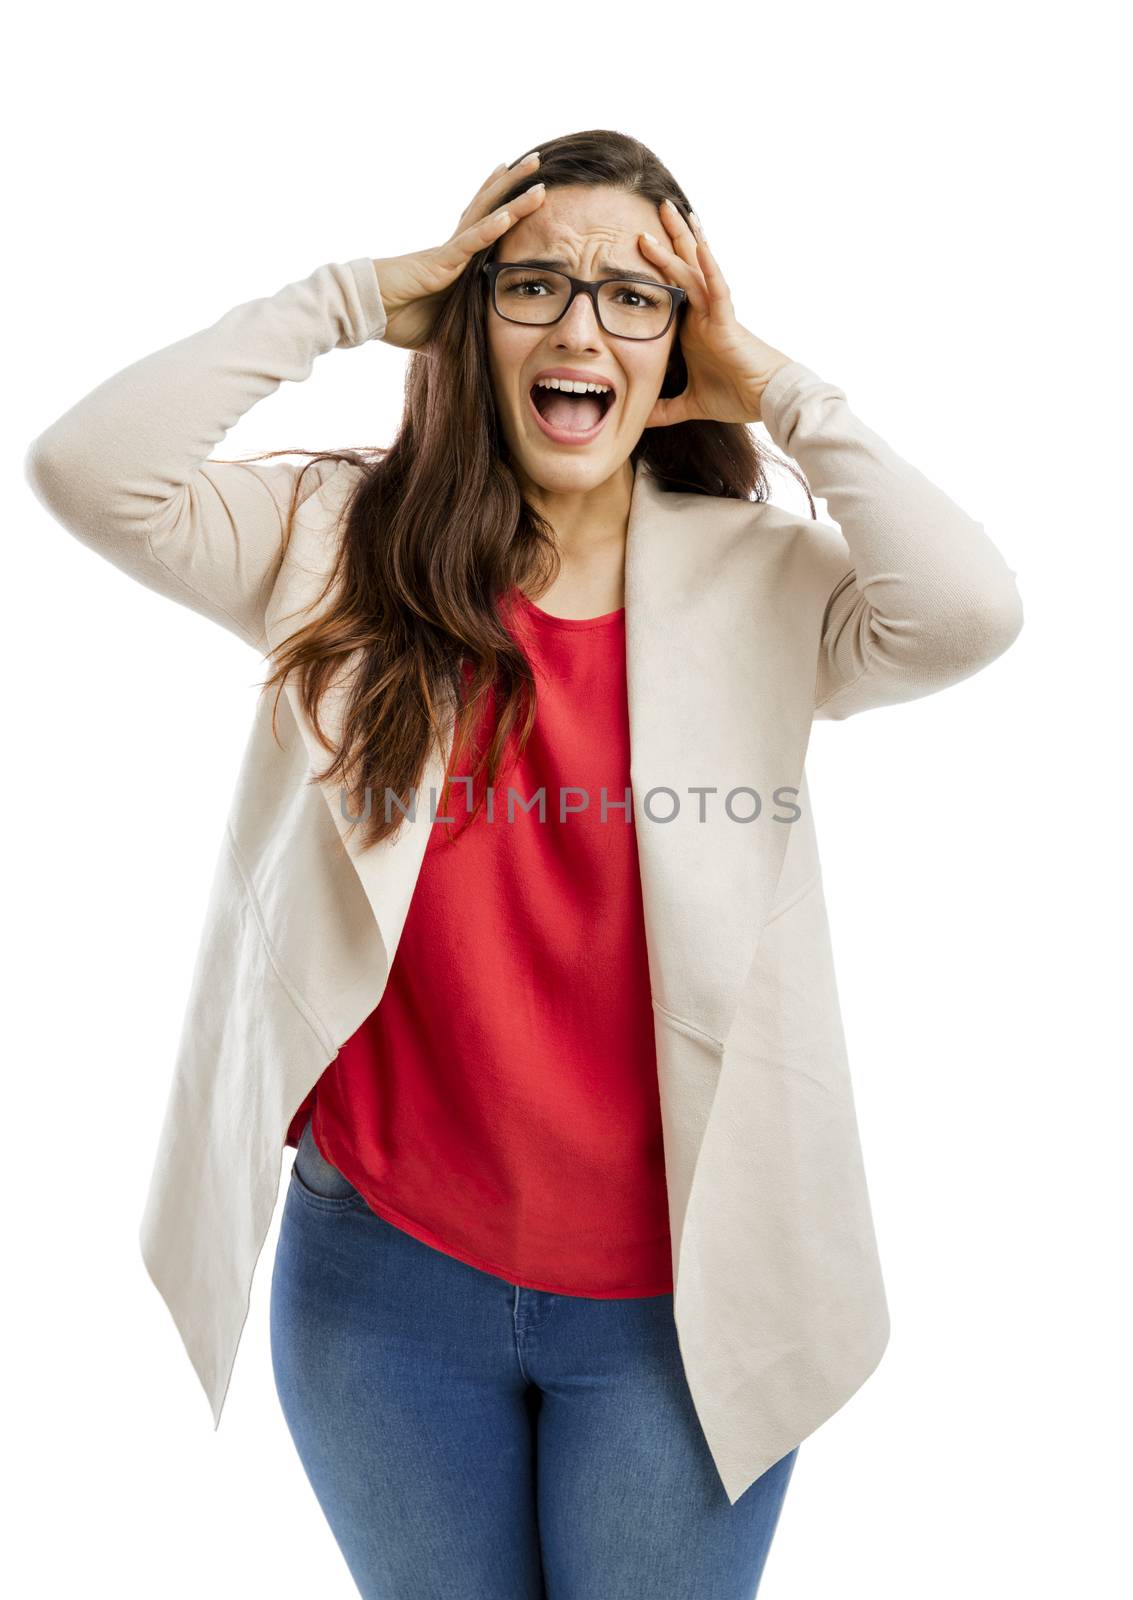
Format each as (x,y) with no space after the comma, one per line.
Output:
(126,469)
(123,451)
(931,598)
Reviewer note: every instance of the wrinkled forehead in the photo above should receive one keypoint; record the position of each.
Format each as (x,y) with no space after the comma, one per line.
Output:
(588,230)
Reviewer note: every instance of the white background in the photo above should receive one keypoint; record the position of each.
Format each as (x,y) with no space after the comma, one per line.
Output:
(924,206)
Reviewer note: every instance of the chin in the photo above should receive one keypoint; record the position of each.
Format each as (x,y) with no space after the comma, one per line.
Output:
(569,473)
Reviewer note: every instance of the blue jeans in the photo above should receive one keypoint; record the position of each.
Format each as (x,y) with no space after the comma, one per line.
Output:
(467,1436)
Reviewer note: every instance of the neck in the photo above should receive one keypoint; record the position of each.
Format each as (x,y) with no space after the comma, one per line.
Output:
(590,529)
(589,524)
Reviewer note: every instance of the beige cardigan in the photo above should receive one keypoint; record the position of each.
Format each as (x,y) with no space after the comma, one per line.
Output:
(744,622)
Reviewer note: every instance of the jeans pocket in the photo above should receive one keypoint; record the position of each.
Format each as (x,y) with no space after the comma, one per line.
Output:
(318,1180)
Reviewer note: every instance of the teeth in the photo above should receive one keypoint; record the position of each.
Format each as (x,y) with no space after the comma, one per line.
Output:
(572,386)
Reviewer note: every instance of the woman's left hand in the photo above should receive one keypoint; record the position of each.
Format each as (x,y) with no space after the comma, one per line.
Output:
(728,367)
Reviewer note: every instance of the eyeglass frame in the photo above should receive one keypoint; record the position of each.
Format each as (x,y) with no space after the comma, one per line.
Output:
(678,297)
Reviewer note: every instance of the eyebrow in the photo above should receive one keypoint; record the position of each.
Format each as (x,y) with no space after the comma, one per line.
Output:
(606,268)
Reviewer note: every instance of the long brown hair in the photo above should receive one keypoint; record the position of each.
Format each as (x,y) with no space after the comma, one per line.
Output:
(436,530)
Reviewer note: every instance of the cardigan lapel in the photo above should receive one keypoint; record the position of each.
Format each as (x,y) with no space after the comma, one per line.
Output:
(712,704)
(715,704)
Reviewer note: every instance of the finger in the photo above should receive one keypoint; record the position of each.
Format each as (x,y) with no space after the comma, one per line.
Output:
(508,172)
(526,163)
(688,277)
(679,232)
(706,270)
(666,413)
(709,266)
(478,235)
(495,184)
(718,289)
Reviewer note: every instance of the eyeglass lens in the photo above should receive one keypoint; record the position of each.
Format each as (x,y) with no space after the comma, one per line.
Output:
(630,310)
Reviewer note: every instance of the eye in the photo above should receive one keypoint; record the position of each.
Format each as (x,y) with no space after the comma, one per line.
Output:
(512,286)
(638,292)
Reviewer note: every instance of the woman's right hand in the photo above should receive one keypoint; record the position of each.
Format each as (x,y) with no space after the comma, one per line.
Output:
(412,286)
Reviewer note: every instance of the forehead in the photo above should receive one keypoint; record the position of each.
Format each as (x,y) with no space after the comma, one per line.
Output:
(589,227)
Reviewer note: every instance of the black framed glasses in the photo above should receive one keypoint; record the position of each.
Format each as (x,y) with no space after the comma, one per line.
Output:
(627,308)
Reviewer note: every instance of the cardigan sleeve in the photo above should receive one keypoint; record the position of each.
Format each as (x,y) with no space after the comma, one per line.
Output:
(926,599)
(125,470)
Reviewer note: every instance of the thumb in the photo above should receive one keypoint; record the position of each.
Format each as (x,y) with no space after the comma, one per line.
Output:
(666,412)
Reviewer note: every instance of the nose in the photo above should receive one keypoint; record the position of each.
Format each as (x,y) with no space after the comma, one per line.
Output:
(580,325)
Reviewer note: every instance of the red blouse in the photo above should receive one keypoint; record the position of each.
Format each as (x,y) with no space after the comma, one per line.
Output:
(500,1103)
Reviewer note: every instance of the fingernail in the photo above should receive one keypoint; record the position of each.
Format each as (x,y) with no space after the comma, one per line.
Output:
(650,237)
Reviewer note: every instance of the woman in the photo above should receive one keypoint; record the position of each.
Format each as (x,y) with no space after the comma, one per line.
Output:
(577,1245)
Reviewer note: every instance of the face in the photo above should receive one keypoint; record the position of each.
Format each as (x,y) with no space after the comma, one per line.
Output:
(586,227)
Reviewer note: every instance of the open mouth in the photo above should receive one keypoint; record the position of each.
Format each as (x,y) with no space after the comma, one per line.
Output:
(569,418)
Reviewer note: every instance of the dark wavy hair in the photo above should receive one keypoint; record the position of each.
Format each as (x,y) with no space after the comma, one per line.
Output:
(436,530)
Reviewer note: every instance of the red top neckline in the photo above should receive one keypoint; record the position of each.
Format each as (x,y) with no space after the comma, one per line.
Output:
(574,623)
